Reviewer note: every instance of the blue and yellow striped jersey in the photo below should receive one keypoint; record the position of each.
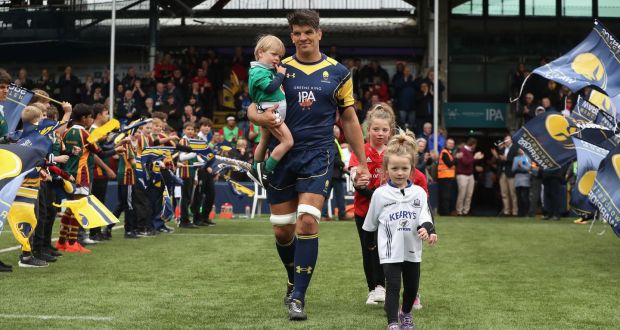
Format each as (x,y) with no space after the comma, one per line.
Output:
(314,91)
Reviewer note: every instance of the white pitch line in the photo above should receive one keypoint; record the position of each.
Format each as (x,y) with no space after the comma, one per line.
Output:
(17,247)
(56,317)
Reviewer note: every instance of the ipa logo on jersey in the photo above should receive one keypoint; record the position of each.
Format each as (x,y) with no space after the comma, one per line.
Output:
(306,99)
(590,67)
(558,128)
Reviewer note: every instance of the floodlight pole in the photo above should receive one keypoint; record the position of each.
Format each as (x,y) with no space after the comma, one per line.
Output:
(436,76)
(112,49)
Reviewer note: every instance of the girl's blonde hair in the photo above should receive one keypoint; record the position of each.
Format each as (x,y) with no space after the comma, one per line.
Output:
(268,42)
(381,111)
(402,144)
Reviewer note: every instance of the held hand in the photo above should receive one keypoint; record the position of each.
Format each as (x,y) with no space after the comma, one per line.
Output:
(362,177)
(71,178)
(76,150)
(459,155)
(45,176)
(478,155)
(432,240)
(61,159)
(120,149)
(423,234)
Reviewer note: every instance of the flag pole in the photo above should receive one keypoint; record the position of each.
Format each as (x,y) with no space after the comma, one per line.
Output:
(112,48)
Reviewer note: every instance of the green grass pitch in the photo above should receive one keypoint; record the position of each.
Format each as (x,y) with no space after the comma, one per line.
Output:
(486,273)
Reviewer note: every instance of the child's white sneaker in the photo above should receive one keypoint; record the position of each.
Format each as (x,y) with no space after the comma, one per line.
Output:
(417,303)
(379,294)
(371,298)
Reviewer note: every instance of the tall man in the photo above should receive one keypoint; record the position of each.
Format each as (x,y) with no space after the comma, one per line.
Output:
(317,88)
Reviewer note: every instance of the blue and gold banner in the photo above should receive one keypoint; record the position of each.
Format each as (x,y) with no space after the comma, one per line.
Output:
(90,212)
(546,139)
(595,61)
(589,156)
(7,195)
(611,105)
(17,99)
(605,193)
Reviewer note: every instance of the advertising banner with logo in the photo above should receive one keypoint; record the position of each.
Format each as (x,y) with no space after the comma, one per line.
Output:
(475,115)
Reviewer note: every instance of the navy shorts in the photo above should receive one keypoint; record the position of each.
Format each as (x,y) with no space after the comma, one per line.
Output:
(308,170)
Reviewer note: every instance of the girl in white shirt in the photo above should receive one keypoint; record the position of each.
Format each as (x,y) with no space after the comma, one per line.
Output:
(399,211)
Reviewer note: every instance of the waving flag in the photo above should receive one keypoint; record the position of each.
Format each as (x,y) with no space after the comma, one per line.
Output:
(7,195)
(240,190)
(605,193)
(167,211)
(90,212)
(546,139)
(589,157)
(593,62)
(17,99)
(610,105)
(100,132)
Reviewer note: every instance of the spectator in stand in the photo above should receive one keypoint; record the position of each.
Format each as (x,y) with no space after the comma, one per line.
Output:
(173,109)
(69,86)
(240,64)
(430,76)
(171,89)
(546,103)
(196,106)
(165,68)
(139,94)
(446,175)
(527,109)
(126,110)
(148,107)
(465,175)
(24,80)
(119,93)
(87,90)
(506,155)
(188,115)
(230,131)
(215,71)
(105,84)
(553,93)
(423,107)
(242,102)
(424,157)
(405,93)
(382,89)
(370,71)
(568,107)
(517,79)
(98,96)
(180,83)
(130,78)
(243,153)
(45,83)
(159,96)
(521,168)
(148,82)
(190,59)
(427,134)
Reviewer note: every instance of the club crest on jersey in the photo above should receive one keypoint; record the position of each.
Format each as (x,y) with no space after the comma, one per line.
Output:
(306,99)
(325,77)
(404,225)
(416,203)
(368,160)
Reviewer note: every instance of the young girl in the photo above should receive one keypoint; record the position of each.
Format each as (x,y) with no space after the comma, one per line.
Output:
(380,120)
(265,80)
(401,210)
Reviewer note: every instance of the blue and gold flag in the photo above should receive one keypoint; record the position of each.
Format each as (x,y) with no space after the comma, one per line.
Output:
(546,139)
(611,105)
(17,99)
(7,195)
(90,212)
(589,156)
(594,61)
(605,193)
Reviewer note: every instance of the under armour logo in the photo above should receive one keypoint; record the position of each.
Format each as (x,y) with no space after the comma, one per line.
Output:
(300,269)
(290,75)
